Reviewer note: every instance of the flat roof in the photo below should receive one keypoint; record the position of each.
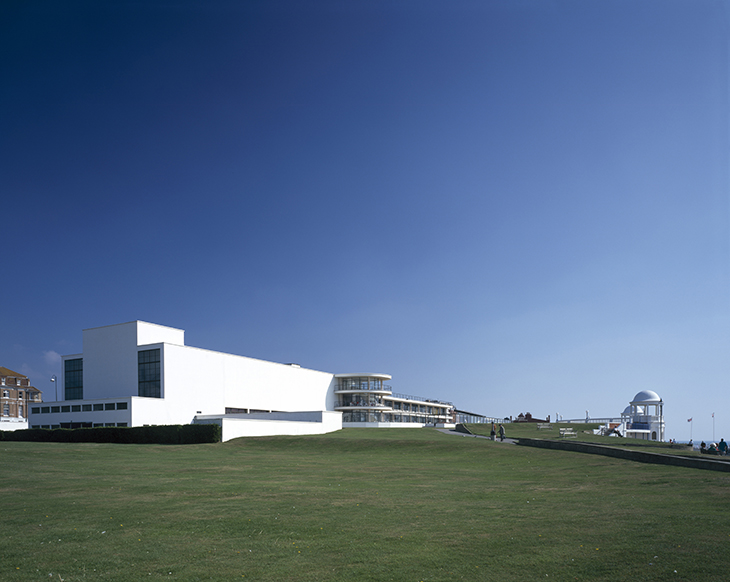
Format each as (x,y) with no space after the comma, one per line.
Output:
(133,321)
(470,413)
(378,376)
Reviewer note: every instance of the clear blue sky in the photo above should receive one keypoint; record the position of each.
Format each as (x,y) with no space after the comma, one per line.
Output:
(512,205)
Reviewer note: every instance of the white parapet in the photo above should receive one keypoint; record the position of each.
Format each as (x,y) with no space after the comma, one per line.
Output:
(274,423)
(13,424)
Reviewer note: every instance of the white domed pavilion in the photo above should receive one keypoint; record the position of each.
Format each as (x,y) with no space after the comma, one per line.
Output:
(644,417)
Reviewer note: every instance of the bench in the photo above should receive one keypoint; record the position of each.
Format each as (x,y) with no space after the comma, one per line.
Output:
(567,432)
(542,425)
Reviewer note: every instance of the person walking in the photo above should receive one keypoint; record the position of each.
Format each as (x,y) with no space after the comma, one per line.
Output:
(501,433)
(494,431)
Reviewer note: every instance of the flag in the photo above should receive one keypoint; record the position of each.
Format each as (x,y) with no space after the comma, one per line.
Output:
(689,420)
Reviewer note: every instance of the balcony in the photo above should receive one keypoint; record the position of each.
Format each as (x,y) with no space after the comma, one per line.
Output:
(343,405)
(370,388)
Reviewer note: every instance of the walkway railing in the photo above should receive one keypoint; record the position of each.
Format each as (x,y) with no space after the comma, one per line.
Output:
(364,388)
(362,404)
(422,399)
(589,420)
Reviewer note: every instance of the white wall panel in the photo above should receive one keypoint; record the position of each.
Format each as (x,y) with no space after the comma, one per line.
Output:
(239,427)
(151,333)
(110,361)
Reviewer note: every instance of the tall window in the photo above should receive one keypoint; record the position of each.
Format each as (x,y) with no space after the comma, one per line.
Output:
(148,368)
(74,379)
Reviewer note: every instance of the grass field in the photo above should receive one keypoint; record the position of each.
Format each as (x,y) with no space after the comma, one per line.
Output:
(358,504)
(585,434)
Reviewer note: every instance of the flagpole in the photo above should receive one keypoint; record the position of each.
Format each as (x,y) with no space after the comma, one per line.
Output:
(713,427)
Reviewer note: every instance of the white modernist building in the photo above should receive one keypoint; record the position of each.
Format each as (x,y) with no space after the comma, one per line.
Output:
(643,418)
(138,373)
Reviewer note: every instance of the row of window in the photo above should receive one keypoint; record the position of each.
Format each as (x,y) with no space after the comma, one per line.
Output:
(370,400)
(86,424)
(80,407)
(475,418)
(372,416)
(418,408)
(5,382)
(364,383)
(29,395)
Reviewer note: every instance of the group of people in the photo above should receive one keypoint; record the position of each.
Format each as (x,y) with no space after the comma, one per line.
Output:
(714,448)
(494,432)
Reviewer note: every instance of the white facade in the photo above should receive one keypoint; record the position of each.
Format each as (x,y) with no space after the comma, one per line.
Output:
(188,384)
(138,373)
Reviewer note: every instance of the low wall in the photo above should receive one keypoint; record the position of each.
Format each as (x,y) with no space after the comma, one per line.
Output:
(274,424)
(639,456)
(13,425)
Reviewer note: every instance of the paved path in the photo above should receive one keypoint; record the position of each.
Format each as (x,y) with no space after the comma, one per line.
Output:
(507,441)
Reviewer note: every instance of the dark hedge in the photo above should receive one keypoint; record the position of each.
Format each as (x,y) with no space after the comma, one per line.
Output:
(176,434)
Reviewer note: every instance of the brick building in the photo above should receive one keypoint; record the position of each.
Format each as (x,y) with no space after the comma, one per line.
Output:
(16,396)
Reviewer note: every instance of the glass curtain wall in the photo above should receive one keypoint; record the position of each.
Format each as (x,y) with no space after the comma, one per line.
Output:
(148,371)
(360,400)
(74,379)
(360,384)
(364,416)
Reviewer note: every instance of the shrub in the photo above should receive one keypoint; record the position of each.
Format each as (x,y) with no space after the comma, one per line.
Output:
(176,434)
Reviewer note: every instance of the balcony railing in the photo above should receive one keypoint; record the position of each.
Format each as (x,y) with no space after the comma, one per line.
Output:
(363,388)
(362,404)
(422,399)
(387,416)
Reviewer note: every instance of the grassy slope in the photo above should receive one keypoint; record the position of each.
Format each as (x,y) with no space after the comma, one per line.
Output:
(355,505)
(585,434)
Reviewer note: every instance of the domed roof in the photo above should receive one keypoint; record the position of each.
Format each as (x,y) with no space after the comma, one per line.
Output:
(627,410)
(646,396)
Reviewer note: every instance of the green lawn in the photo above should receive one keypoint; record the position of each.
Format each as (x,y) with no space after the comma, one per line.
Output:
(529,430)
(585,434)
(359,504)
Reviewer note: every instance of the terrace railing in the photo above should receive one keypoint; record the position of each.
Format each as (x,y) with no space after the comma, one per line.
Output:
(363,388)
(361,404)
(422,399)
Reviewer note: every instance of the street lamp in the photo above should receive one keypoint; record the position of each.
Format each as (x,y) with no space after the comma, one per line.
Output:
(54,379)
